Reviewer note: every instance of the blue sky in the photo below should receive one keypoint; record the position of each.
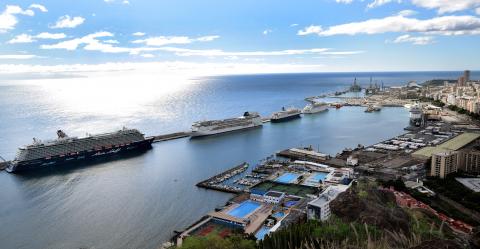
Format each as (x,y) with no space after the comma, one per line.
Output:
(311,35)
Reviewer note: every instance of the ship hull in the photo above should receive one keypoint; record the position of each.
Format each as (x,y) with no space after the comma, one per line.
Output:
(195,134)
(315,110)
(81,157)
(286,118)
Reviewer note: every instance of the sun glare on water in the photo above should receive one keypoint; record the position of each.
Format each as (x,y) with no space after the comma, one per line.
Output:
(112,94)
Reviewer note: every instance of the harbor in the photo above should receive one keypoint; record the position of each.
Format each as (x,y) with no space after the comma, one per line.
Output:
(163,179)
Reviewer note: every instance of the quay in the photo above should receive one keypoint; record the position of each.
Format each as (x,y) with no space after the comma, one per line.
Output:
(171,136)
(304,154)
(215,182)
(3,165)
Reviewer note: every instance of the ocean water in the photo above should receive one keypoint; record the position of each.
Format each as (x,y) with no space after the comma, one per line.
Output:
(138,202)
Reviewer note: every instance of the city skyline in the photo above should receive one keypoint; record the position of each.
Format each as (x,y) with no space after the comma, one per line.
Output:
(238,37)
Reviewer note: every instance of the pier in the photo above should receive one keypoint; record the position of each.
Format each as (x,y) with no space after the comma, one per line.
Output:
(171,136)
(215,182)
(3,165)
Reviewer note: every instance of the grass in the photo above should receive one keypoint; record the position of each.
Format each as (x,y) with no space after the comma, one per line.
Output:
(290,189)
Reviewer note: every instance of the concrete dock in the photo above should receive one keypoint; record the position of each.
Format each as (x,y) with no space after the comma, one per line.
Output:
(171,136)
(3,165)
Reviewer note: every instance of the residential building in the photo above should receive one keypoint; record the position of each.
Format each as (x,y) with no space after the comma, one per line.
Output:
(319,208)
(444,163)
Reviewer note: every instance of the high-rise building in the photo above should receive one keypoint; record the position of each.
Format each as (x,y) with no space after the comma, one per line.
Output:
(444,163)
(461,81)
(469,160)
(466,75)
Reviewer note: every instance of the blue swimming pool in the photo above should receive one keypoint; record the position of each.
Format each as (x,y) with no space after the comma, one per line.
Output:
(278,214)
(262,232)
(245,208)
(320,176)
(287,178)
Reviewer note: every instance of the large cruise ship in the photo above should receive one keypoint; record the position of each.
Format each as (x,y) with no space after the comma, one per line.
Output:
(66,149)
(315,107)
(212,127)
(285,114)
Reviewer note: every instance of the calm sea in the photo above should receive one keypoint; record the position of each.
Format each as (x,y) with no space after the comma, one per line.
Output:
(139,202)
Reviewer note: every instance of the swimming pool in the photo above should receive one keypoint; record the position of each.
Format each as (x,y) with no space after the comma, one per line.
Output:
(287,178)
(278,214)
(262,232)
(319,176)
(245,208)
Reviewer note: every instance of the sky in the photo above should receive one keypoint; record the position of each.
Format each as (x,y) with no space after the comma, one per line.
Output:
(246,36)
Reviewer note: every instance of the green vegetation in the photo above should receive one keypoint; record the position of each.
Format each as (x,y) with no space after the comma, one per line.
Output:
(216,242)
(454,190)
(291,189)
(460,110)
(363,217)
(438,103)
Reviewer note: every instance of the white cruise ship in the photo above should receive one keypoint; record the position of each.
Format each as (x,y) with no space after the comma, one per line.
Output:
(285,114)
(212,127)
(315,107)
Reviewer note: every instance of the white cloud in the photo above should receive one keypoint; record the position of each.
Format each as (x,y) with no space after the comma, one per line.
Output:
(221,53)
(294,25)
(446,6)
(112,41)
(53,36)
(138,34)
(407,13)
(312,29)
(38,6)
(184,69)
(477,11)
(92,43)
(377,3)
(8,19)
(25,38)
(68,22)
(165,40)
(75,43)
(17,56)
(147,55)
(344,1)
(444,25)
(267,31)
(417,40)
(126,2)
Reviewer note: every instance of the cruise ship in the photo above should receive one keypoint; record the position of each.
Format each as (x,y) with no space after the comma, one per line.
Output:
(67,149)
(212,127)
(285,114)
(315,107)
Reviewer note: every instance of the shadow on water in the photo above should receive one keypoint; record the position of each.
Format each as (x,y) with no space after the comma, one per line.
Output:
(71,167)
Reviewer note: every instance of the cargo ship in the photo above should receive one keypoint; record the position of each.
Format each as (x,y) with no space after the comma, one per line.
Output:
(67,150)
(212,127)
(285,114)
(315,107)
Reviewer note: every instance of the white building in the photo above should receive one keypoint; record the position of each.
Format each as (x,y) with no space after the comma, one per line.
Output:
(352,160)
(319,209)
(273,197)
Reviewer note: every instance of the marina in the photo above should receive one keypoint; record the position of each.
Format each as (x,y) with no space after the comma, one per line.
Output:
(217,182)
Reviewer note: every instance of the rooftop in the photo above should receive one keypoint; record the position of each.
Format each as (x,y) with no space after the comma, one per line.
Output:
(274,193)
(455,143)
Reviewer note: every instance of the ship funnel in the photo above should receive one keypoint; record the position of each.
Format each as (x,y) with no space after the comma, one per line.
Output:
(61,134)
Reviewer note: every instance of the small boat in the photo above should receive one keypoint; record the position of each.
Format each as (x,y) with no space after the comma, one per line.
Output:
(373,108)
